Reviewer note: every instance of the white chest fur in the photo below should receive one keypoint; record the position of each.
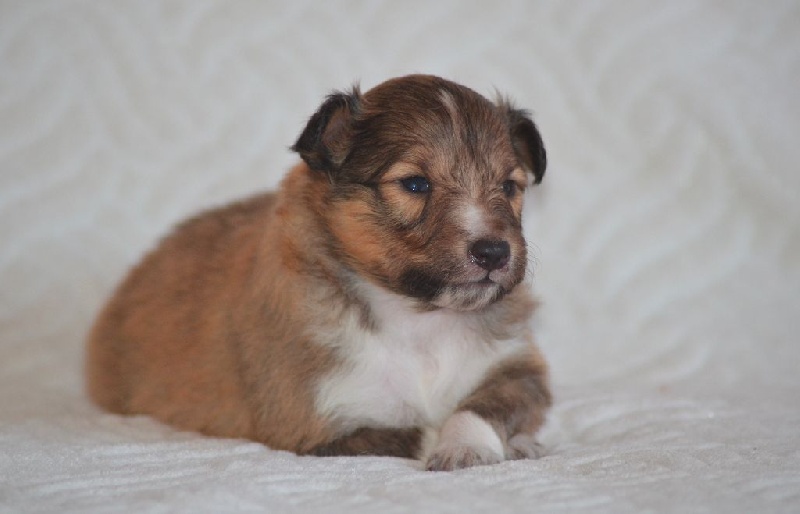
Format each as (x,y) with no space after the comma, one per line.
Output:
(413,370)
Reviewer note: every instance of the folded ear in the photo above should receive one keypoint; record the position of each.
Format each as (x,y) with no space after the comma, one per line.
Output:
(325,142)
(527,141)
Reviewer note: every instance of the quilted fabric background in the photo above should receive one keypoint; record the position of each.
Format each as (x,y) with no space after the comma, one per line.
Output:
(666,236)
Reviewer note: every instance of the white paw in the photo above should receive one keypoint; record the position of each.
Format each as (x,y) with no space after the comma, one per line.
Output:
(465,440)
(459,457)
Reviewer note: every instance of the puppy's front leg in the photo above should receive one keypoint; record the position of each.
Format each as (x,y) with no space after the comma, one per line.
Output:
(498,420)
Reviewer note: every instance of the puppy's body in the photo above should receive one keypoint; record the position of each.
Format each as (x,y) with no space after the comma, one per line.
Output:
(370,306)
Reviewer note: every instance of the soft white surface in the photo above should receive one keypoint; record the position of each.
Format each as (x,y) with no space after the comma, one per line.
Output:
(667,238)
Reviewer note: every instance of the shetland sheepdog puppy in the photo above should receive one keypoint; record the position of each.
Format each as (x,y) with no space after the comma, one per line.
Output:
(375,304)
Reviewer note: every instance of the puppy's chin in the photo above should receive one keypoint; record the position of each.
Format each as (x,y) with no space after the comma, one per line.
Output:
(464,292)
(468,297)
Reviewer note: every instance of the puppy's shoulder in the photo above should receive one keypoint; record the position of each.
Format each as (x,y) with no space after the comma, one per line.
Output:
(227,220)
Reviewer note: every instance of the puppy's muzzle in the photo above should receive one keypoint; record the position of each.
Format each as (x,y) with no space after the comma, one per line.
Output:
(490,255)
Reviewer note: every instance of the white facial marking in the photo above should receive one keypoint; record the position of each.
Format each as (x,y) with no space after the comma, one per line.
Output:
(473,219)
(450,104)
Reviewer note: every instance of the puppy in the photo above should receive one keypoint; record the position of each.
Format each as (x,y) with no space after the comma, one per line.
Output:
(371,306)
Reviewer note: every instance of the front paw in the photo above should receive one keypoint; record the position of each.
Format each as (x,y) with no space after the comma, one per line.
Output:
(524,446)
(459,457)
(465,440)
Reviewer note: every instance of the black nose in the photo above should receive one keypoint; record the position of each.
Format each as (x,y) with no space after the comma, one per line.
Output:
(490,255)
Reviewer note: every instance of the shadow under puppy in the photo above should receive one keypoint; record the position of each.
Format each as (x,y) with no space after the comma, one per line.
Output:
(370,306)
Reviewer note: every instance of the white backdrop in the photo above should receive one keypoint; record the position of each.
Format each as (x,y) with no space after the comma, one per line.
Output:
(666,235)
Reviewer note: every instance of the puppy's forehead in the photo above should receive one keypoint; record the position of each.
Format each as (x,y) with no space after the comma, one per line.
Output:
(430,102)
(440,124)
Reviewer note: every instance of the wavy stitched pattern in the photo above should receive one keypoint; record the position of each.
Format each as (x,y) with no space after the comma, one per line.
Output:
(665,238)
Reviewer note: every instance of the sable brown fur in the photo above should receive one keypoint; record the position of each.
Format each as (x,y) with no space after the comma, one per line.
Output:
(387,442)
(237,322)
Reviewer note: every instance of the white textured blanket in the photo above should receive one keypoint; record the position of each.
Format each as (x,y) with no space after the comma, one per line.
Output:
(666,236)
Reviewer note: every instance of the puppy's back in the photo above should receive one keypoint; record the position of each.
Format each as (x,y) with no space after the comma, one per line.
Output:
(150,350)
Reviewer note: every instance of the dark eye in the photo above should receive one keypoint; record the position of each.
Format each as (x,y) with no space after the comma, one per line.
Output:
(509,188)
(416,184)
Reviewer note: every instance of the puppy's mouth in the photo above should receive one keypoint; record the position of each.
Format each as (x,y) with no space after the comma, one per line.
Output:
(481,283)
(467,296)
(462,295)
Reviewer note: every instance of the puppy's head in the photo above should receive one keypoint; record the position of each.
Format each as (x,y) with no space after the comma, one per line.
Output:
(425,181)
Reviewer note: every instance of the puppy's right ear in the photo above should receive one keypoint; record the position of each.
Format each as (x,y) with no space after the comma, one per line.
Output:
(325,142)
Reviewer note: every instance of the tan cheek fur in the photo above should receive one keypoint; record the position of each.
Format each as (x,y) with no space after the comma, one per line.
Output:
(520,179)
(369,246)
